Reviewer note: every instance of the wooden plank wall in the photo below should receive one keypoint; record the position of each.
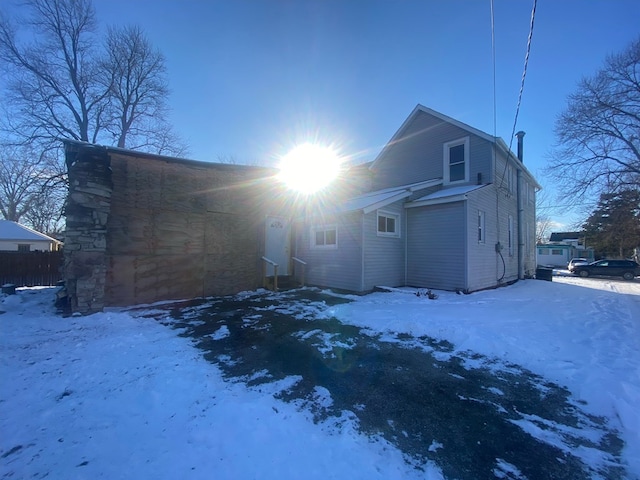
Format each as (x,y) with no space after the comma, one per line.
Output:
(180,230)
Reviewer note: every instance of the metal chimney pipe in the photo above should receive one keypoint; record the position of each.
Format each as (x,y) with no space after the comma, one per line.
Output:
(520,136)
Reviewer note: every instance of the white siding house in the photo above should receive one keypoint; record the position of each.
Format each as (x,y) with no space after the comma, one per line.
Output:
(449,207)
(18,238)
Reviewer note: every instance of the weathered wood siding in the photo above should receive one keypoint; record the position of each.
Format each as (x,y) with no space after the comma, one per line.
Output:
(418,155)
(437,246)
(143,228)
(384,257)
(180,230)
(337,268)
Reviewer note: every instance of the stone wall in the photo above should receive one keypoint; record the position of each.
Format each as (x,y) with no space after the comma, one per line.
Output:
(87,214)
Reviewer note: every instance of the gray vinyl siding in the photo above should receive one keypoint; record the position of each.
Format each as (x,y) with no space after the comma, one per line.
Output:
(436,246)
(339,268)
(484,265)
(383,256)
(509,206)
(419,154)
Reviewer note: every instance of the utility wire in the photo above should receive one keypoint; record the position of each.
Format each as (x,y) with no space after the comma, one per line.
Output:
(524,72)
(524,75)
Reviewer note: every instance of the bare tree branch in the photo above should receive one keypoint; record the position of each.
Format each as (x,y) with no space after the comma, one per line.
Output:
(598,134)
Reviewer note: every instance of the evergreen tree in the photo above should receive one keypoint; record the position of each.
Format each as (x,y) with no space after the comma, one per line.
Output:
(613,229)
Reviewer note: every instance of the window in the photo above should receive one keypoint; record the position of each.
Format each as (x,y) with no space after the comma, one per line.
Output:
(556,251)
(388,224)
(481,232)
(543,251)
(324,236)
(511,238)
(456,161)
(24,247)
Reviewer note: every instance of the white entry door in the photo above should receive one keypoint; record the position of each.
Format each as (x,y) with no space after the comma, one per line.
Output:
(278,238)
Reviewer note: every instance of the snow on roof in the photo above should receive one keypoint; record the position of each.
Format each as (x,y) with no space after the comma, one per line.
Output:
(14,231)
(362,202)
(380,198)
(449,192)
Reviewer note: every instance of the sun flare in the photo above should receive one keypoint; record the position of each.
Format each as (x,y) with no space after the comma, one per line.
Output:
(309,167)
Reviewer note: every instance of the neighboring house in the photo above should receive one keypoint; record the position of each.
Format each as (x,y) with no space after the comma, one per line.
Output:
(18,238)
(562,247)
(450,208)
(555,255)
(443,206)
(575,239)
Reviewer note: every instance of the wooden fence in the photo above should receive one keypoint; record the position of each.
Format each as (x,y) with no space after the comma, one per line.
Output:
(28,269)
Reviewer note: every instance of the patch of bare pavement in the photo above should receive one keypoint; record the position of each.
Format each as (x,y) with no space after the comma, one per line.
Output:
(473,416)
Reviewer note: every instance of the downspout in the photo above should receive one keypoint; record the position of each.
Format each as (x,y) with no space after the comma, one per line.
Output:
(362,215)
(406,243)
(520,227)
(520,216)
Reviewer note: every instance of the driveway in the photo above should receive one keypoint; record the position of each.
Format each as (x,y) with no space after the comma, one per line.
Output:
(461,411)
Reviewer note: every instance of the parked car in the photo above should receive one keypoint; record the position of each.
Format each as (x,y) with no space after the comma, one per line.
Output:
(574,262)
(627,269)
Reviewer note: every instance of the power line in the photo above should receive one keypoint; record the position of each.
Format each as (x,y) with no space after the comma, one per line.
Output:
(524,75)
(524,72)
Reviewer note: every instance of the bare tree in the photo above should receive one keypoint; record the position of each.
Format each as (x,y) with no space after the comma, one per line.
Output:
(53,85)
(23,180)
(138,91)
(67,83)
(598,134)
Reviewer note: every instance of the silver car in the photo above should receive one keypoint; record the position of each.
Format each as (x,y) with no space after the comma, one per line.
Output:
(574,262)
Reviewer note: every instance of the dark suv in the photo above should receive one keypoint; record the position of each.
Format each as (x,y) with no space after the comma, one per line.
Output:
(627,269)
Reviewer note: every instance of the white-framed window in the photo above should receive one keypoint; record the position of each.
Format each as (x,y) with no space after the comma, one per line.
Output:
(481,230)
(511,237)
(388,224)
(456,161)
(324,236)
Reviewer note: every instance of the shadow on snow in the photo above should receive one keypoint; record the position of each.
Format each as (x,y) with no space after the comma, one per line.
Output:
(473,416)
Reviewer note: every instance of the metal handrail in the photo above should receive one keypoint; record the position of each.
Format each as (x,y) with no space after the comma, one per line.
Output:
(264,273)
(303,264)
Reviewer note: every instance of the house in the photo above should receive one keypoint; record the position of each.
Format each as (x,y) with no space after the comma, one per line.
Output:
(18,238)
(562,247)
(142,228)
(443,206)
(450,207)
(574,239)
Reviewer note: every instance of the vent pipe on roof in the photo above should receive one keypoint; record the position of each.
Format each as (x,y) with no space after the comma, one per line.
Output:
(520,136)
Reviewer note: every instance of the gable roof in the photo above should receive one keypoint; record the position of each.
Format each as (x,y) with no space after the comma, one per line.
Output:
(371,201)
(560,236)
(14,231)
(499,142)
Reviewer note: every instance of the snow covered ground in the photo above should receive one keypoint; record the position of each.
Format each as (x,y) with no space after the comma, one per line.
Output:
(119,395)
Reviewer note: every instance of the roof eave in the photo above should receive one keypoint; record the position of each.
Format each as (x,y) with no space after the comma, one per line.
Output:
(437,201)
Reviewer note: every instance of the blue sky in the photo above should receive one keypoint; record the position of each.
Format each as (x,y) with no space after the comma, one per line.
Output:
(251,78)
